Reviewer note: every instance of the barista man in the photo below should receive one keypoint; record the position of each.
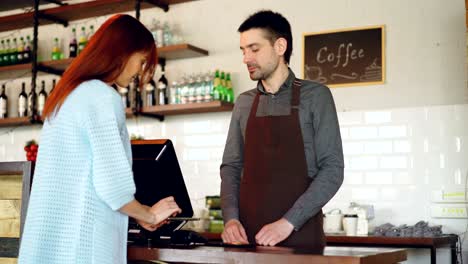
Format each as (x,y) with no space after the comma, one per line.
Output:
(283,159)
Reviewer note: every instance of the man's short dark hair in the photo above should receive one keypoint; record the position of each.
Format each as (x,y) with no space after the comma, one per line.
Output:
(274,24)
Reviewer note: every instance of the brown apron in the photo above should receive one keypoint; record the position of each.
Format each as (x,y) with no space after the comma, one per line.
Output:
(275,175)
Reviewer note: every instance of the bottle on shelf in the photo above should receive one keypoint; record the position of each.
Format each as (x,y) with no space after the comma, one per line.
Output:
(2,51)
(208,87)
(27,56)
(199,89)
(32,97)
(123,91)
(184,93)
(216,86)
(191,90)
(14,52)
(83,40)
(53,85)
(157,32)
(91,32)
(41,99)
(73,46)
(150,90)
(23,102)
(167,34)
(138,101)
(174,93)
(222,87)
(229,91)
(56,52)
(3,103)
(6,54)
(162,87)
(20,54)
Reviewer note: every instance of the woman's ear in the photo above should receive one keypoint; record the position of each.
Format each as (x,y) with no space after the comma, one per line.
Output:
(280,46)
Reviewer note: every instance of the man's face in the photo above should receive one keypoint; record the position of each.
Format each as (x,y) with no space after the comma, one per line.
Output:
(260,55)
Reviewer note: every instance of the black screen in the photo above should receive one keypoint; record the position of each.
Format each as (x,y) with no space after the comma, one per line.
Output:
(157,175)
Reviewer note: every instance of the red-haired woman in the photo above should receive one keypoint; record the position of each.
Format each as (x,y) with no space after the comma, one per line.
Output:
(83,188)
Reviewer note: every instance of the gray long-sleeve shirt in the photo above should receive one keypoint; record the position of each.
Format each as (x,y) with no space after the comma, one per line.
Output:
(322,146)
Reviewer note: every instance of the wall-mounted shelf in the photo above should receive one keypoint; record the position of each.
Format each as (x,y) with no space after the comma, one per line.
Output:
(23,70)
(15,121)
(180,51)
(181,109)
(80,11)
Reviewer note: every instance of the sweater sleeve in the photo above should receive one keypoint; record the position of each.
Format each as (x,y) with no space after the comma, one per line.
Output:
(112,171)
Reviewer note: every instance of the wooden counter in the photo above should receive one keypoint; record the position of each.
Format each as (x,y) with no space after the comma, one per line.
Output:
(331,255)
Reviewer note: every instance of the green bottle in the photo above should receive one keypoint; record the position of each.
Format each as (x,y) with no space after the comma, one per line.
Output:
(20,51)
(229,90)
(216,84)
(6,54)
(2,50)
(14,52)
(56,50)
(222,87)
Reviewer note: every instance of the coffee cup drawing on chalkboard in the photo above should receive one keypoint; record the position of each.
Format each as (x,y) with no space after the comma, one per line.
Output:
(314,73)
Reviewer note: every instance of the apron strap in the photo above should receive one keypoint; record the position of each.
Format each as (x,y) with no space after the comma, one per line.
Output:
(296,96)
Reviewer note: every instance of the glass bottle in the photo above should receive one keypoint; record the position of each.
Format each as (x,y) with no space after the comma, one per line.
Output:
(83,40)
(229,96)
(56,50)
(32,97)
(216,86)
(73,46)
(23,102)
(20,51)
(27,50)
(150,93)
(208,87)
(3,103)
(2,51)
(41,99)
(162,86)
(14,52)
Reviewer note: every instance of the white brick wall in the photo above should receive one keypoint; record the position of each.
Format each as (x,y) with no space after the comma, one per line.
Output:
(392,156)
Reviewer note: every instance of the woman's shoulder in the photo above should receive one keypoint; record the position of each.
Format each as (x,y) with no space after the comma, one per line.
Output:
(95,91)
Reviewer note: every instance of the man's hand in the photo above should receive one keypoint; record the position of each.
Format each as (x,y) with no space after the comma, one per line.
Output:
(234,233)
(274,233)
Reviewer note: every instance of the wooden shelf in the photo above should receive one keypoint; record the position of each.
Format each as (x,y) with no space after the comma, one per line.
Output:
(182,109)
(15,71)
(181,51)
(78,11)
(15,121)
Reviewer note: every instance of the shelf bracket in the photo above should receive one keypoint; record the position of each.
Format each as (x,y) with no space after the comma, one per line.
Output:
(160,117)
(57,2)
(48,69)
(53,19)
(158,3)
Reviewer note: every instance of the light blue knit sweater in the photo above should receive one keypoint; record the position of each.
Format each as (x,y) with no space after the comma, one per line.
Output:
(83,176)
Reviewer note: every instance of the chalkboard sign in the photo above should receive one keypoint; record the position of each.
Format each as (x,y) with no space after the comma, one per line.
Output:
(345,58)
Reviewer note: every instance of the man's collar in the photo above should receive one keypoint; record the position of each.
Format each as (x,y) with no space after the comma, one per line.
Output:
(284,87)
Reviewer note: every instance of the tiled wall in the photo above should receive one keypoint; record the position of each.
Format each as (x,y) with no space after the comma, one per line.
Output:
(394,158)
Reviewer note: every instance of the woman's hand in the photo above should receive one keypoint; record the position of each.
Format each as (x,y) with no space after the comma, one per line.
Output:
(163,209)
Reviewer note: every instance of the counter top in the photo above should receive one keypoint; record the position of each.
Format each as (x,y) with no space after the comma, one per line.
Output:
(331,255)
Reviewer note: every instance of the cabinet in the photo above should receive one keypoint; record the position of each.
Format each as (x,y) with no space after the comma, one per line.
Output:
(69,12)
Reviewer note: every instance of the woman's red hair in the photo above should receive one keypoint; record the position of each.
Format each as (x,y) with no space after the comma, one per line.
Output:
(104,58)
